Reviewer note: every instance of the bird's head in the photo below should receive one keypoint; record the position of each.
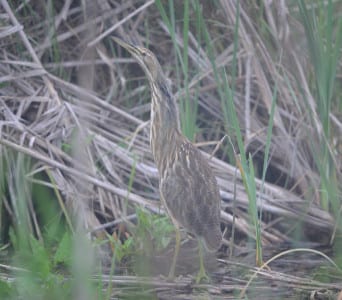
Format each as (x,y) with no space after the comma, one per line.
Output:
(144,57)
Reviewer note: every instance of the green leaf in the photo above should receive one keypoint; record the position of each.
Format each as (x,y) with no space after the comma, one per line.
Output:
(5,290)
(63,253)
(39,261)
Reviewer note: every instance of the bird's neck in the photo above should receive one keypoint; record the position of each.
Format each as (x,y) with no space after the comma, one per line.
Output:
(165,127)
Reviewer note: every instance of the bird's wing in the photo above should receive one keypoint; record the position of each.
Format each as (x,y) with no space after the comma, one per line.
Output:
(190,192)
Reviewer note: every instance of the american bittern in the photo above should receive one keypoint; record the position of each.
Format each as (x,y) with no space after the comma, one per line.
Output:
(188,188)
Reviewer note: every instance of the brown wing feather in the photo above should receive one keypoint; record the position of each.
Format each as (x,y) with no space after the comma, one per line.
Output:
(191,195)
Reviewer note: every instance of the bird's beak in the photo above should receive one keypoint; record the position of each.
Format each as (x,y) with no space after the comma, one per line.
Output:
(137,52)
(130,48)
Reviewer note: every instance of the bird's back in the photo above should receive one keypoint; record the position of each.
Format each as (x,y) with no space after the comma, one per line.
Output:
(190,192)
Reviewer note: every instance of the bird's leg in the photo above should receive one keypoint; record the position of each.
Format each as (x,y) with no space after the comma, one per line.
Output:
(175,255)
(202,274)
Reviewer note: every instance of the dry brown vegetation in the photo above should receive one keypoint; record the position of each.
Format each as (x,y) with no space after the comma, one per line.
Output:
(78,105)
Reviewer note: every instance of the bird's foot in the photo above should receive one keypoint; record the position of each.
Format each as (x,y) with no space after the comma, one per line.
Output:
(171,275)
(167,278)
(202,276)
